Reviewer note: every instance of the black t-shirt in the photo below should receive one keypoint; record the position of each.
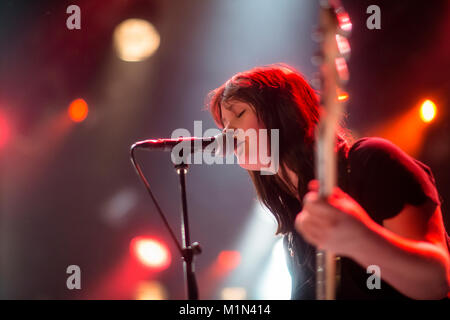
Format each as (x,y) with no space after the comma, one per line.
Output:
(382,179)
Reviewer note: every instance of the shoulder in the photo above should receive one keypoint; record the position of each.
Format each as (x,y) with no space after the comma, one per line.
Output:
(369,146)
(391,171)
(375,152)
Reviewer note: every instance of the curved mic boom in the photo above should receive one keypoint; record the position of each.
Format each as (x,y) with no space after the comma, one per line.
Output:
(220,144)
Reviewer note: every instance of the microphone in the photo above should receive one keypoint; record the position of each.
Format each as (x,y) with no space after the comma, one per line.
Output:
(222,144)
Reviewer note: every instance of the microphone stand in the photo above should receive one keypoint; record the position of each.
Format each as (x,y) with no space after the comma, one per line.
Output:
(188,251)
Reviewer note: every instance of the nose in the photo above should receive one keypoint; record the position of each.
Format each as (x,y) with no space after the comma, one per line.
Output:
(228,127)
(231,127)
(228,130)
(230,133)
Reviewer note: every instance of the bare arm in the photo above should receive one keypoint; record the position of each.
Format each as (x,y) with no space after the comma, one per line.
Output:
(409,249)
(411,252)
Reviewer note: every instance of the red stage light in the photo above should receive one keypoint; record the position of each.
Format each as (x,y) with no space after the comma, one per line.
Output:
(4,131)
(78,110)
(151,252)
(229,260)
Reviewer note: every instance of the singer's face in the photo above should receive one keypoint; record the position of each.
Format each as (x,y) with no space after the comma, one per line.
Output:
(242,118)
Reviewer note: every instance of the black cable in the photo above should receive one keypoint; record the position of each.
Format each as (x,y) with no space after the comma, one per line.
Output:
(147,186)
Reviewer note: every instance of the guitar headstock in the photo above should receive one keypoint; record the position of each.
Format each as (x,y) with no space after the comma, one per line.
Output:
(334,29)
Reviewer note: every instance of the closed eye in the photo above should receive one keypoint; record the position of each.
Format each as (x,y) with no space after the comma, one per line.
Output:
(240,114)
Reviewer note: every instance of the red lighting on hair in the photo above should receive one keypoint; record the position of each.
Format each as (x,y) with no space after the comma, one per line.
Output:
(78,110)
(151,252)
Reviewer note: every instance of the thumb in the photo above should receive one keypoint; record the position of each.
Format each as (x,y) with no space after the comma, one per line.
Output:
(313,185)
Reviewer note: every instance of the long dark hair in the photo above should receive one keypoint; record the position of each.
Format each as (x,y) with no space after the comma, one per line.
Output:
(283,100)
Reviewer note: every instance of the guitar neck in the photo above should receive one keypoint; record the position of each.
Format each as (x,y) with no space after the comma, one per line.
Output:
(334,24)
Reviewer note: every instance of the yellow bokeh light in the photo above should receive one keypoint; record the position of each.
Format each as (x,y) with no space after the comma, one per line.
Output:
(234,293)
(428,111)
(136,40)
(151,290)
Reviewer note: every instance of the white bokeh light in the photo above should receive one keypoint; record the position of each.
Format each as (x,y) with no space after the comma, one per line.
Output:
(275,283)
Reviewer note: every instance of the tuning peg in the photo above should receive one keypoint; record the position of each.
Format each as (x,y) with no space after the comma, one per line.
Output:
(343,46)
(342,70)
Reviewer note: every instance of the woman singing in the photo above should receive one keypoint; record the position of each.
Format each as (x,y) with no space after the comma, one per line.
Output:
(385,212)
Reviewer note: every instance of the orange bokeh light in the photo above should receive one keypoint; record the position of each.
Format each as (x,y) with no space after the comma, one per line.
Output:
(78,110)
(427,111)
(408,130)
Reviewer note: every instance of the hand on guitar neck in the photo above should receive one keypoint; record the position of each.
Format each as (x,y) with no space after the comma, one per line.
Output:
(332,224)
